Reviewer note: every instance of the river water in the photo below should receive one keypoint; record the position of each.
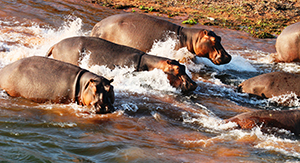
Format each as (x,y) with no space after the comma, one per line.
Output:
(154,122)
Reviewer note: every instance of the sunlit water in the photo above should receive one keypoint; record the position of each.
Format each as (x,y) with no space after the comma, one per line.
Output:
(154,122)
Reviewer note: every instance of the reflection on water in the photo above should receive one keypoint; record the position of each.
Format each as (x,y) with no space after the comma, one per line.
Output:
(154,122)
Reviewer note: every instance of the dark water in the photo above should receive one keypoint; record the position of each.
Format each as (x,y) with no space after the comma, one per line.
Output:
(153,122)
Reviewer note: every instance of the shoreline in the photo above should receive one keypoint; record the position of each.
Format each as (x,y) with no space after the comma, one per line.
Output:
(261,19)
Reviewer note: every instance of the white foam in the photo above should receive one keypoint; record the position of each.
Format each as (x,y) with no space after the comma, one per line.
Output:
(260,140)
(237,63)
(211,122)
(289,99)
(289,67)
(281,145)
(125,79)
(167,49)
(39,41)
(130,107)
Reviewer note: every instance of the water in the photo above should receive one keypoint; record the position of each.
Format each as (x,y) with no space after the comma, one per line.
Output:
(154,122)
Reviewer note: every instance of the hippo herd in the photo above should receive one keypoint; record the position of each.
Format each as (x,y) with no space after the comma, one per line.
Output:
(112,55)
(124,40)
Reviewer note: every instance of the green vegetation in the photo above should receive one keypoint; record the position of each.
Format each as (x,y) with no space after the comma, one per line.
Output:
(261,19)
(190,21)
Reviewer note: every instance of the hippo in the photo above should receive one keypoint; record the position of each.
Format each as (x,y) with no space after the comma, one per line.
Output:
(140,31)
(271,84)
(103,52)
(283,119)
(288,44)
(42,79)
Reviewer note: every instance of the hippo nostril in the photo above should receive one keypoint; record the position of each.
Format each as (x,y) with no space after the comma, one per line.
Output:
(96,108)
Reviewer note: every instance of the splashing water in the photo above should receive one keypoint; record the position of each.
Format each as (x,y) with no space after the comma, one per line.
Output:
(126,79)
(39,40)
(17,41)
(167,49)
(289,99)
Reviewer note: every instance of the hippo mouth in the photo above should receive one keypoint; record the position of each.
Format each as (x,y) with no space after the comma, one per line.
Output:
(103,109)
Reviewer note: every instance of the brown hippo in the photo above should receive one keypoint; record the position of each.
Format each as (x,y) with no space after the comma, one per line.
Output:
(284,119)
(272,84)
(140,31)
(103,52)
(42,79)
(288,44)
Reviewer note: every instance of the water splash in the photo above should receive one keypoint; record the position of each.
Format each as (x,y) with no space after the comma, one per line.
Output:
(32,40)
(130,107)
(211,123)
(289,67)
(167,49)
(127,79)
(289,99)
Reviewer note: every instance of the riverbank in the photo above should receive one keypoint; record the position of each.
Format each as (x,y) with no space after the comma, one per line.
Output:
(262,19)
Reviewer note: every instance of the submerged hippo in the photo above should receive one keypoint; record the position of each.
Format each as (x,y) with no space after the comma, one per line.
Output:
(140,31)
(285,119)
(272,84)
(103,52)
(43,79)
(288,44)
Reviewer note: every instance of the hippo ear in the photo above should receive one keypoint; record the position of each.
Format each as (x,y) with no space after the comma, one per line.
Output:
(205,32)
(91,84)
(111,80)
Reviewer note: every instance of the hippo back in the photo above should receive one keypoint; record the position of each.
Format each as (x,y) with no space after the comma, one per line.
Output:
(288,44)
(283,119)
(135,30)
(272,84)
(97,50)
(37,78)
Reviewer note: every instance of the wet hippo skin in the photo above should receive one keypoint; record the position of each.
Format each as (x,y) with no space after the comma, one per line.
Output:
(42,79)
(140,31)
(288,44)
(272,84)
(284,119)
(103,52)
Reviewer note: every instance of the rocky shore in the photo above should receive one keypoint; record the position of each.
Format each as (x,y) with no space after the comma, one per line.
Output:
(260,18)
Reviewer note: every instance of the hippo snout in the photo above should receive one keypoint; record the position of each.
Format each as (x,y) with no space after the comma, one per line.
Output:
(225,58)
(103,109)
(104,104)
(187,84)
(220,57)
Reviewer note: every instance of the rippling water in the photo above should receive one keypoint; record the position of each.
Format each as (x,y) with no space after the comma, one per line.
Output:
(154,122)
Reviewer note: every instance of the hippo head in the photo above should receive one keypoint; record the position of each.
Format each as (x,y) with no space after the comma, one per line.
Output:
(99,94)
(177,76)
(208,44)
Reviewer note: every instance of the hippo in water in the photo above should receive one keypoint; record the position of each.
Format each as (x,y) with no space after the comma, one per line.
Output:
(272,84)
(42,79)
(140,31)
(103,52)
(288,44)
(284,119)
